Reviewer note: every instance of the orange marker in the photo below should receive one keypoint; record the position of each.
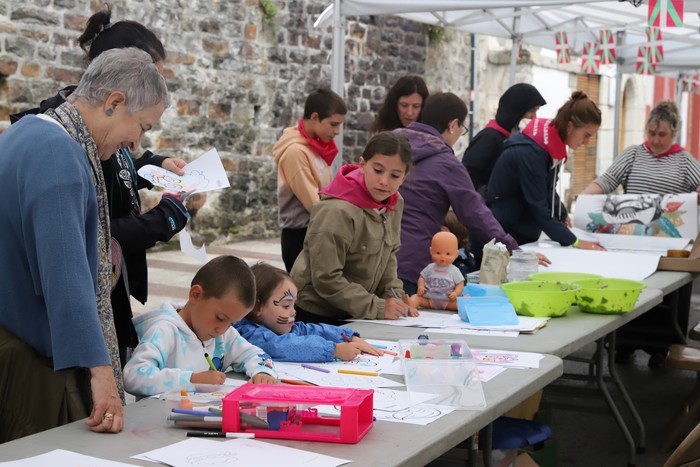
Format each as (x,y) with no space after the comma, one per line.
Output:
(295,382)
(355,372)
(389,352)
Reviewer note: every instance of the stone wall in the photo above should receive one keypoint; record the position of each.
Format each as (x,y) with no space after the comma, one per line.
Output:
(236,82)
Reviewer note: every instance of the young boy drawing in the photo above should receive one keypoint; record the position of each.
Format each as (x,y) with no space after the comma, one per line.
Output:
(272,326)
(177,342)
(304,154)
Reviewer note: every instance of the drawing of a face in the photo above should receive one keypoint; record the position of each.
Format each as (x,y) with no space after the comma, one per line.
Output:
(278,313)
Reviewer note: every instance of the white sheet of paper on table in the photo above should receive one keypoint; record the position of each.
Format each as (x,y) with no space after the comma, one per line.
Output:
(236,452)
(63,458)
(507,358)
(605,263)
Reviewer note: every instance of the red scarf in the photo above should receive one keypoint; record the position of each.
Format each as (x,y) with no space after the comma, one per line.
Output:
(675,148)
(547,137)
(327,151)
(494,124)
(349,185)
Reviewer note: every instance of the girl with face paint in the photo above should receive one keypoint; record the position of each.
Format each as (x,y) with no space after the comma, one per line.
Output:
(272,325)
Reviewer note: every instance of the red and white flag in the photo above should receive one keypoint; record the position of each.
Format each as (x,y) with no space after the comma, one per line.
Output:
(606,47)
(563,50)
(589,59)
(655,44)
(665,13)
(644,65)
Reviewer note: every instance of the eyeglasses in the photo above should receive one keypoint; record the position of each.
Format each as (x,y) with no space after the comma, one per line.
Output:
(465,129)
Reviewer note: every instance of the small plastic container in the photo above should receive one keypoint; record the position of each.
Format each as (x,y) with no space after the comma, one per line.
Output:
(206,395)
(522,264)
(283,412)
(443,367)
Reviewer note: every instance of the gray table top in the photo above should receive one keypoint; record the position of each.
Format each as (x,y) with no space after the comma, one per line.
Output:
(387,443)
(561,337)
(669,281)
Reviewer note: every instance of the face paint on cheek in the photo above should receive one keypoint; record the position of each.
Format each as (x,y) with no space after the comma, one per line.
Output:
(282,319)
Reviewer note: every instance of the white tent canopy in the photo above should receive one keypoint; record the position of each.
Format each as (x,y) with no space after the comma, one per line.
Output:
(535,23)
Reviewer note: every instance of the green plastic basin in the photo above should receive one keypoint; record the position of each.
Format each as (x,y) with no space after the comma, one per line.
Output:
(607,295)
(541,299)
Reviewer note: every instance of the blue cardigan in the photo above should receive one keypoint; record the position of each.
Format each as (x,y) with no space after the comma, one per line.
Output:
(48,244)
(304,343)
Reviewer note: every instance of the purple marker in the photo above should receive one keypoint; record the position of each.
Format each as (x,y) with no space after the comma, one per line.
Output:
(317,368)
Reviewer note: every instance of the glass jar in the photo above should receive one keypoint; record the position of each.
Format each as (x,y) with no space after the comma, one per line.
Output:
(522,264)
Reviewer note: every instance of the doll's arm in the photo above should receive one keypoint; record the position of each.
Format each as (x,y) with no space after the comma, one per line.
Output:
(457,292)
(421,286)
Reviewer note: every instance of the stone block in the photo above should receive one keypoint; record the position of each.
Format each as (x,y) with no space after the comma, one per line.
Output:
(215,46)
(30,70)
(250,31)
(63,75)
(8,66)
(74,22)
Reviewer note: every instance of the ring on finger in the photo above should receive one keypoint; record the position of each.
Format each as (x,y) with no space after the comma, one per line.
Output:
(108,416)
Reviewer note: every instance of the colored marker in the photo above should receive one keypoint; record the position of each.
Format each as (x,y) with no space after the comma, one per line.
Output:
(317,368)
(296,382)
(355,372)
(345,338)
(211,364)
(254,421)
(192,412)
(216,434)
(216,410)
(194,418)
(380,346)
(389,352)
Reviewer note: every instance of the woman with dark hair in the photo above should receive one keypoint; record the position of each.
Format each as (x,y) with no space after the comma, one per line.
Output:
(134,232)
(522,189)
(403,104)
(439,181)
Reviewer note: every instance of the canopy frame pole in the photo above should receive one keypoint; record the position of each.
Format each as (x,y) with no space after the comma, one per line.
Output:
(618,95)
(517,41)
(338,73)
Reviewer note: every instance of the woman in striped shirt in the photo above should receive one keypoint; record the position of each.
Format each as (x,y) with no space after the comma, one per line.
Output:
(658,165)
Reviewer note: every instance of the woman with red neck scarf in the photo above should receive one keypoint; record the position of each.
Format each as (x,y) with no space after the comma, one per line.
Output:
(347,268)
(522,190)
(658,165)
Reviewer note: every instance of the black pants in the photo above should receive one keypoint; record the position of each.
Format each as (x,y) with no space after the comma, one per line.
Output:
(304,316)
(292,244)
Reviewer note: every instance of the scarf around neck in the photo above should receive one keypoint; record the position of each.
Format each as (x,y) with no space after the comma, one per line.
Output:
(69,117)
(327,151)
(494,124)
(674,149)
(547,137)
(349,185)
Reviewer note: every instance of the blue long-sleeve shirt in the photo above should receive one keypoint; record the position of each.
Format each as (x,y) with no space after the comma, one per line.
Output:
(304,343)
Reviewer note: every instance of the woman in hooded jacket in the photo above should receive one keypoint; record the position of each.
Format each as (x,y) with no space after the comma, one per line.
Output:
(522,190)
(520,101)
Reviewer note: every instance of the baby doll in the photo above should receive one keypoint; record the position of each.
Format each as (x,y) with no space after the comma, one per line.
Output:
(440,283)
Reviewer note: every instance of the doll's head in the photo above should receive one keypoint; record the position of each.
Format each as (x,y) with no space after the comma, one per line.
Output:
(275,297)
(444,248)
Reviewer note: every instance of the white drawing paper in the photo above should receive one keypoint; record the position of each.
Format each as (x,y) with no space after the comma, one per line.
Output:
(63,458)
(236,452)
(186,246)
(206,173)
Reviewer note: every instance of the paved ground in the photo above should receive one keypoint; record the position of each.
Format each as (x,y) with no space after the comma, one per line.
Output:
(584,432)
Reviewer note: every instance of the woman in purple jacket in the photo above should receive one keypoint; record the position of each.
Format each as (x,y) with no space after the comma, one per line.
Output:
(438,181)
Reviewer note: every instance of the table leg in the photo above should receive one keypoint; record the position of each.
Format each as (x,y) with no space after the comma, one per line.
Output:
(486,439)
(612,368)
(602,386)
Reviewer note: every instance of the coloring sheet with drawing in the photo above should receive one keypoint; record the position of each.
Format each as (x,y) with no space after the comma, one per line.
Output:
(237,452)
(673,215)
(206,173)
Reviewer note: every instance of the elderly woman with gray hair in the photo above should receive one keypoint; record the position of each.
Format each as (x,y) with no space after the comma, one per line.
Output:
(59,358)
(658,165)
